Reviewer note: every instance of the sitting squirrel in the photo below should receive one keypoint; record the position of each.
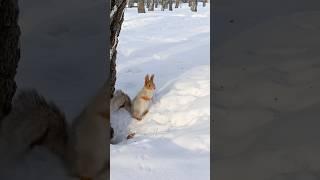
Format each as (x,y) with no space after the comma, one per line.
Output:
(141,103)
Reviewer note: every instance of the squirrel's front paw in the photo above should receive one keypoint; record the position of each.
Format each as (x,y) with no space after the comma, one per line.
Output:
(131,135)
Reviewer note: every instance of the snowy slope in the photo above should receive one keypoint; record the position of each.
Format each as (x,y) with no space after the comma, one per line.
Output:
(172,141)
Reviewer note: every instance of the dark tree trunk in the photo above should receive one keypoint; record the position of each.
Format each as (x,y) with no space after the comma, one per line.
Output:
(170,5)
(151,7)
(141,8)
(148,3)
(164,5)
(190,3)
(204,3)
(9,53)
(116,19)
(177,4)
(194,5)
(156,3)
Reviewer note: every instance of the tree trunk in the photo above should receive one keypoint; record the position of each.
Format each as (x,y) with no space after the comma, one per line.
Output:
(204,3)
(130,3)
(156,3)
(9,53)
(194,5)
(170,5)
(141,8)
(151,7)
(177,4)
(190,3)
(162,5)
(116,19)
(148,4)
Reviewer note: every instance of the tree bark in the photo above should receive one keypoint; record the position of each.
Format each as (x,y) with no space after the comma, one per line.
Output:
(204,3)
(177,4)
(170,5)
(151,7)
(116,19)
(130,3)
(148,4)
(156,3)
(9,53)
(194,5)
(141,8)
(164,5)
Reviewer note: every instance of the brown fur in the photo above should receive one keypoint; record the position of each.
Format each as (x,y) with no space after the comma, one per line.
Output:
(145,98)
(148,82)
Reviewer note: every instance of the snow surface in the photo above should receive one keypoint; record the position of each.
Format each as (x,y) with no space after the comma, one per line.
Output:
(266,96)
(173,139)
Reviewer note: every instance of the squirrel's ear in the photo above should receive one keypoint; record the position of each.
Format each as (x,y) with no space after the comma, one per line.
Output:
(146,78)
(152,76)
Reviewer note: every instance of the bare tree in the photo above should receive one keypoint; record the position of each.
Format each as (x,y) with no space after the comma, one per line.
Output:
(170,5)
(177,4)
(203,3)
(190,3)
(116,19)
(130,3)
(9,53)
(156,3)
(151,7)
(148,4)
(141,8)
(194,5)
(164,4)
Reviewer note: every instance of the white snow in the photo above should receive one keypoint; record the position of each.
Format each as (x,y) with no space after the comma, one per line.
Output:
(172,142)
(266,96)
(173,139)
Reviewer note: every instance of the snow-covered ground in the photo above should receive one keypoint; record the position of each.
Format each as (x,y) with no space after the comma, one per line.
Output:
(173,139)
(266,96)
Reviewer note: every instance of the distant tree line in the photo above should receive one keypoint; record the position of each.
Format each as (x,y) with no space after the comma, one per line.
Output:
(142,5)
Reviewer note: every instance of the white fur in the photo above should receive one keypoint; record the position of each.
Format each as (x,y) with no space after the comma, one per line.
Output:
(88,147)
(139,105)
(120,118)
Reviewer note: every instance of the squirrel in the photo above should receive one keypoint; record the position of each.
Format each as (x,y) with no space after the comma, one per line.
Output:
(32,121)
(87,145)
(141,103)
(120,116)
(82,146)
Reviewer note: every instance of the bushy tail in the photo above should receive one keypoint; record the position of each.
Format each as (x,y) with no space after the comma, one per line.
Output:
(120,100)
(34,121)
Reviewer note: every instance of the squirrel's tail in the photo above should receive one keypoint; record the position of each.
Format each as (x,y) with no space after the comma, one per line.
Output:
(120,100)
(34,121)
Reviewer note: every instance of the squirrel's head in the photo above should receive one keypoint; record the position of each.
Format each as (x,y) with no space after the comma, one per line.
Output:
(149,83)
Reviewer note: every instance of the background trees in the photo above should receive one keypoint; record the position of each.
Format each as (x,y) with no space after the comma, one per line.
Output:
(165,4)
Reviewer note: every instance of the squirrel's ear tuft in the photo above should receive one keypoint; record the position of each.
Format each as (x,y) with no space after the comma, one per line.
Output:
(146,78)
(152,76)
